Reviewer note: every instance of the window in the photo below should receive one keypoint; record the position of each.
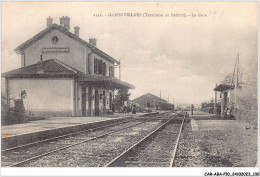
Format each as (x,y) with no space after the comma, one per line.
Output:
(95,66)
(104,69)
(88,70)
(100,66)
(111,71)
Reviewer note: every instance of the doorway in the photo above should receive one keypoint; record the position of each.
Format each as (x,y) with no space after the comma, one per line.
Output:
(110,100)
(104,101)
(225,100)
(83,103)
(96,102)
(89,100)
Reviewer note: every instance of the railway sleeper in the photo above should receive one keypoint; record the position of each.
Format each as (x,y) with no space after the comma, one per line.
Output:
(145,162)
(148,159)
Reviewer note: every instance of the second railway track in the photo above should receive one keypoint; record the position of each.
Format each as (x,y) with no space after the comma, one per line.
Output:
(157,149)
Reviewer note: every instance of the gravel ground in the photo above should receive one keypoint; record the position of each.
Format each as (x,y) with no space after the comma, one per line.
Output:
(97,152)
(14,156)
(156,152)
(225,145)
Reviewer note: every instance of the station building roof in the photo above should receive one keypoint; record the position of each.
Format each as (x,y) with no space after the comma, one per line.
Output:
(56,69)
(47,68)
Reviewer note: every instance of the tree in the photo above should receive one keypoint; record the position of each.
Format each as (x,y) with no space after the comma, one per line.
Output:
(227,79)
(246,101)
(7,114)
(121,96)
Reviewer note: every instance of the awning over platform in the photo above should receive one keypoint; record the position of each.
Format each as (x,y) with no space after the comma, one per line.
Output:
(223,87)
(106,81)
(56,69)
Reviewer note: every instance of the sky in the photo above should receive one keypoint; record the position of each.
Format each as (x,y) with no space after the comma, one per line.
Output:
(181,57)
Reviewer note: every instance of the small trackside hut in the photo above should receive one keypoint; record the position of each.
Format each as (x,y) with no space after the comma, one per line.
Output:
(225,98)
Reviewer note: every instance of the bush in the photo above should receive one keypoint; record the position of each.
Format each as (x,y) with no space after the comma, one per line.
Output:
(13,115)
(246,109)
(16,114)
(246,103)
(7,114)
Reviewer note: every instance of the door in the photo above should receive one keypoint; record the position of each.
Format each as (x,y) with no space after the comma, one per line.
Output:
(89,100)
(225,100)
(224,103)
(83,103)
(104,101)
(110,100)
(96,102)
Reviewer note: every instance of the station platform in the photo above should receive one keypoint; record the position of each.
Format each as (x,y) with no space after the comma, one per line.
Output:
(207,122)
(19,134)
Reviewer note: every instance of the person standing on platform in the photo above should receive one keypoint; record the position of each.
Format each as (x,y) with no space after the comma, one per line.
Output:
(192,108)
(113,107)
(134,109)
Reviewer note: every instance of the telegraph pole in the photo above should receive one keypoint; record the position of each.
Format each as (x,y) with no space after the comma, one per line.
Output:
(236,81)
(216,97)
(160,101)
(237,68)
(119,70)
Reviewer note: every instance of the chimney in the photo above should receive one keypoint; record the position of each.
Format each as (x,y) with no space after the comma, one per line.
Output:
(49,21)
(76,30)
(93,41)
(65,22)
(40,66)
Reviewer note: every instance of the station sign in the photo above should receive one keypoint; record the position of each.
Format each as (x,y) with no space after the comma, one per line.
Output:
(50,50)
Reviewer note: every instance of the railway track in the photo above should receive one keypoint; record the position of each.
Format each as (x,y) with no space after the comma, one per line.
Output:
(22,155)
(157,149)
(3,151)
(95,147)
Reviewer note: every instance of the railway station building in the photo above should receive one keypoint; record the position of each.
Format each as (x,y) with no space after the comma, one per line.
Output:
(63,75)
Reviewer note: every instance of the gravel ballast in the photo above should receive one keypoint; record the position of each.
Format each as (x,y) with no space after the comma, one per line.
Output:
(216,143)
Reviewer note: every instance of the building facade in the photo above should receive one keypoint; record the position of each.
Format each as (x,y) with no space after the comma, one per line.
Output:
(63,74)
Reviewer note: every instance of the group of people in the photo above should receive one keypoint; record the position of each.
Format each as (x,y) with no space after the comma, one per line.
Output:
(127,109)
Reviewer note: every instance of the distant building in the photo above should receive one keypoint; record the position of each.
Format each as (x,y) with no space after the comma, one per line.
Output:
(151,101)
(63,74)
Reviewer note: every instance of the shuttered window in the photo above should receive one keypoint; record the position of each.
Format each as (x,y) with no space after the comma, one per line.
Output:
(111,71)
(95,66)
(100,66)
(104,69)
